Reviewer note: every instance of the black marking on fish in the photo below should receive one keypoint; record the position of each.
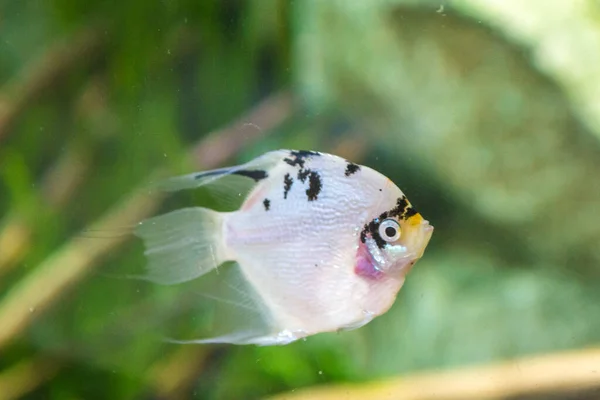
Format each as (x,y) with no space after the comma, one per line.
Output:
(409,213)
(255,174)
(287,184)
(267,204)
(403,209)
(401,205)
(373,228)
(299,157)
(351,168)
(378,240)
(314,186)
(303,174)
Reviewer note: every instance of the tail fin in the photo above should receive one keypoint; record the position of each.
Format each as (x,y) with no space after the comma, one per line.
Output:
(182,245)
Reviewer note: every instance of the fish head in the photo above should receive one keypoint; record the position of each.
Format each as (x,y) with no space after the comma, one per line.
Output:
(393,240)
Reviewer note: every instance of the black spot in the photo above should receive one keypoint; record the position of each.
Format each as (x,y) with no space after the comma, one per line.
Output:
(287,184)
(401,205)
(373,228)
(314,186)
(409,213)
(303,174)
(403,209)
(351,168)
(256,174)
(267,204)
(298,157)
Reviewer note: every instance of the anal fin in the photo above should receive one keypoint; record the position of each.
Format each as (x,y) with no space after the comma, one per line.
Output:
(239,315)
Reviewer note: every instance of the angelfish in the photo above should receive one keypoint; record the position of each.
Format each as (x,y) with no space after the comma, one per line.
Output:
(320,244)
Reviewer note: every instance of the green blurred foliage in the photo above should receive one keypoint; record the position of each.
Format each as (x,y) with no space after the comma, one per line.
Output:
(432,101)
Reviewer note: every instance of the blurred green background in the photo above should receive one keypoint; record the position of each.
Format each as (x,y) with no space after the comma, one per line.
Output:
(485,113)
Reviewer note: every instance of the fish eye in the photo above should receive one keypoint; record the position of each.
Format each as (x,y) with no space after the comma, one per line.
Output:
(389,230)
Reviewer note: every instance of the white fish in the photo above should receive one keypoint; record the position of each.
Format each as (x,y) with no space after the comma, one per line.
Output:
(320,244)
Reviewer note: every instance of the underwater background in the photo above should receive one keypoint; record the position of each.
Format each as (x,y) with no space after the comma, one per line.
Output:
(486,113)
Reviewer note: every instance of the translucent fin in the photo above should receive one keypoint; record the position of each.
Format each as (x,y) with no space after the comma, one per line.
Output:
(254,170)
(239,316)
(230,192)
(181,245)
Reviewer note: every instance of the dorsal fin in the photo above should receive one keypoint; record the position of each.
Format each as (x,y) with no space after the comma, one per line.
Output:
(256,169)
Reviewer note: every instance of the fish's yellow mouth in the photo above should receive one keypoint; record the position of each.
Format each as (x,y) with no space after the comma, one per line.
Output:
(415,220)
(418,231)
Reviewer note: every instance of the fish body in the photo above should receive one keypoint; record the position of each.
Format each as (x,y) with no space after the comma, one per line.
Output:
(320,244)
